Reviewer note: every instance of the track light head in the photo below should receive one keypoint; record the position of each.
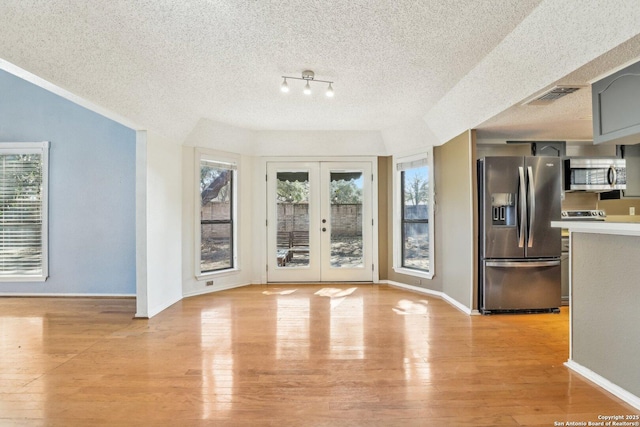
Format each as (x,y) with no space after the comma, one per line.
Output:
(329,92)
(284,87)
(307,89)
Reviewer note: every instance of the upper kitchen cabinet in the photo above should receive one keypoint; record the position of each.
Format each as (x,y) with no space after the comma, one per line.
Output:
(616,107)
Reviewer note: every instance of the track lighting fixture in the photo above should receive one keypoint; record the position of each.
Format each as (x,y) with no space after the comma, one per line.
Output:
(308,76)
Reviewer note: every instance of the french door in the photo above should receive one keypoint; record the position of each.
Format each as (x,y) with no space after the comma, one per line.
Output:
(319,221)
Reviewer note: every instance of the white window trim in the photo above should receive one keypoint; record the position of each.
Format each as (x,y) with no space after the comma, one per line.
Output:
(43,149)
(218,157)
(397,212)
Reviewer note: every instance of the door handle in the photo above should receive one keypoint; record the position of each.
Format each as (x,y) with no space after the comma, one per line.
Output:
(520,264)
(324,229)
(521,214)
(324,221)
(532,207)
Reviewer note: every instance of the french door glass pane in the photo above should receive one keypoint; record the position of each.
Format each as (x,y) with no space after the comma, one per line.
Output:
(292,216)
(346,219)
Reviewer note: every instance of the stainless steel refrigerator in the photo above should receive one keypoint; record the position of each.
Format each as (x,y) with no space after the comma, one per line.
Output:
(519,251)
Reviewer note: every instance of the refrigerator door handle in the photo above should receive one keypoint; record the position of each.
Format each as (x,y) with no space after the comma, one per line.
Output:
(522,209)
(532,207)
(520,264)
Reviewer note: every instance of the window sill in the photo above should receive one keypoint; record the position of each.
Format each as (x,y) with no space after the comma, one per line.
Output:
(414,273)
(23,278)
(221,273)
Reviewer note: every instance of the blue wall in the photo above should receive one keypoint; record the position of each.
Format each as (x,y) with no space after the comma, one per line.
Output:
(91,190)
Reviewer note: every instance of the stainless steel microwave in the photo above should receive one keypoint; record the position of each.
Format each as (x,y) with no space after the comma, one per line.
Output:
(599,174)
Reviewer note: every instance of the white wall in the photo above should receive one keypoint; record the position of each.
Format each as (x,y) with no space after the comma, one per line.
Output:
(219,136)
(318,143)
(159,192)
(408,137)
(191,285)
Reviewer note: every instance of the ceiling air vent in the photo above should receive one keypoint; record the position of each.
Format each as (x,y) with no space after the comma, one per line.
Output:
(551,95)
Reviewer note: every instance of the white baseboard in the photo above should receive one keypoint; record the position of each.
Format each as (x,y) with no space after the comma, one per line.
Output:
(213,289)
(437,294)
(457,304)
(612,388)
(158,309)
(52,295)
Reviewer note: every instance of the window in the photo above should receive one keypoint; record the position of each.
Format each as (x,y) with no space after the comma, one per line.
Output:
(216,198)
(414,209)
(23,211)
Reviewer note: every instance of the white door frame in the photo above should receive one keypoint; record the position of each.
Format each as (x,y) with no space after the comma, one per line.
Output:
(261,216)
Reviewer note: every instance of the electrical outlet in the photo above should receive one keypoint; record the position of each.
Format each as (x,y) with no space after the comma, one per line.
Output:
(632,210)
(209,282)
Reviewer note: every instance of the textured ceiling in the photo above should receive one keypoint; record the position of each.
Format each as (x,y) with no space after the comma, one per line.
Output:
(165,65)
(569,117)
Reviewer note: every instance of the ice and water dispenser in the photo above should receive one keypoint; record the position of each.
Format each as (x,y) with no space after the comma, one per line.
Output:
(503,209)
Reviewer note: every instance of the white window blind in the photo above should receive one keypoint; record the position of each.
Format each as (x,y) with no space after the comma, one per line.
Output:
(219,165)
(403,166)
(23,215)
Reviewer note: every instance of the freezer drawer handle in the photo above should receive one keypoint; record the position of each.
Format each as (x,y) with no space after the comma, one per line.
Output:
(518,264)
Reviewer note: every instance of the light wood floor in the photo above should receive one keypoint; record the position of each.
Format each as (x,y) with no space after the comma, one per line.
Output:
(300,355)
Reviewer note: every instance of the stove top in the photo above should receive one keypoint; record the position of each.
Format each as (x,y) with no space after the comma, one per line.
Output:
(584,215)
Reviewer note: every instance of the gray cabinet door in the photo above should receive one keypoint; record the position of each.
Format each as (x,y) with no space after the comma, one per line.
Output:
(632,158)
(616,107)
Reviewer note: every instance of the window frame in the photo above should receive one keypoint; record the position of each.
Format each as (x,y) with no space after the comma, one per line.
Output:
(41,148)
(234,165)
(425,156)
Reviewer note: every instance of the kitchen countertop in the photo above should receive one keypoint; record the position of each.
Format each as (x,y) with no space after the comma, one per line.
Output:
(600,227)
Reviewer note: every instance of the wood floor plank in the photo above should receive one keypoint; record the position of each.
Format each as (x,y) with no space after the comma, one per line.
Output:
(288,356)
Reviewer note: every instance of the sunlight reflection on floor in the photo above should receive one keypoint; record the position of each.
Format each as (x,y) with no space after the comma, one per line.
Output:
(277,292)
(406,307)
(335,293)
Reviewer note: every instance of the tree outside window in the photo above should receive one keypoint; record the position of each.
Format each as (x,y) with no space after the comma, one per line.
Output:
(415,218)
(216,216)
